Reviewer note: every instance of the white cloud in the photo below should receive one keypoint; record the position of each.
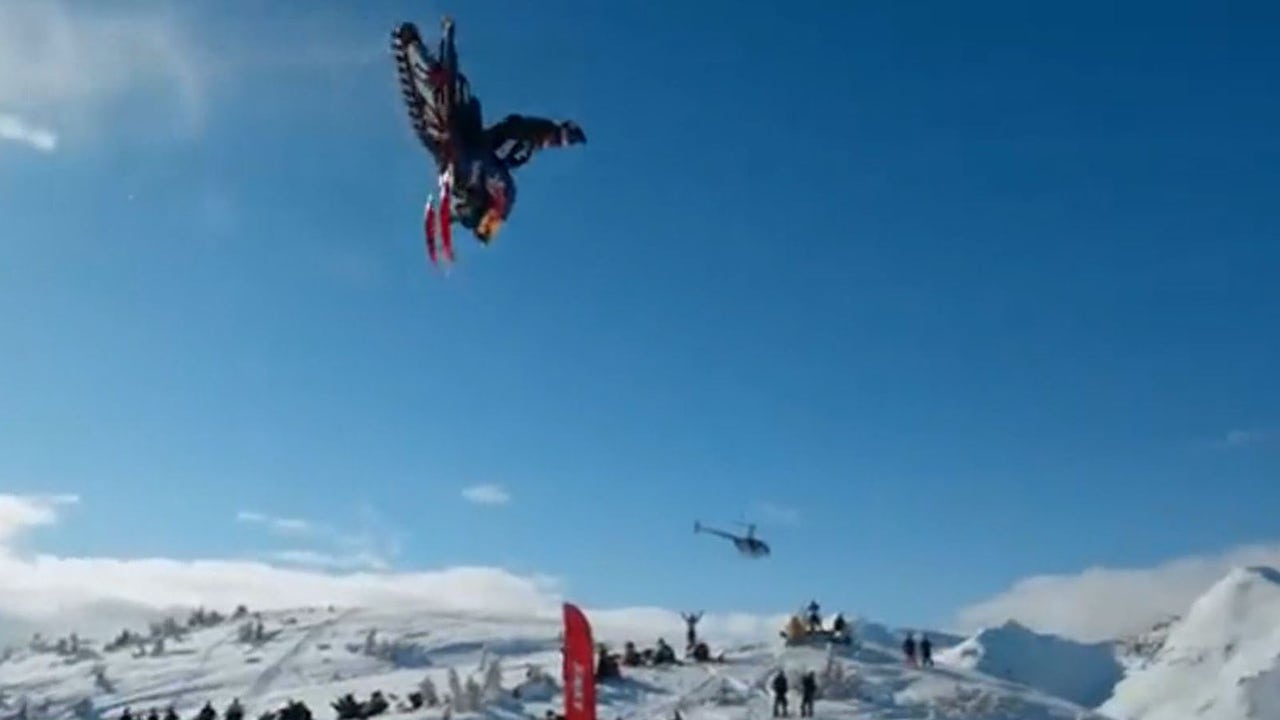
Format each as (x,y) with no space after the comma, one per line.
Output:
(315,559)
(486,495)
(23,512)
(17,130)
(781,514)
(97,595)
(70,64)
(283,525)
(368,548)
(1104,603)
(1245,438)
(39,586)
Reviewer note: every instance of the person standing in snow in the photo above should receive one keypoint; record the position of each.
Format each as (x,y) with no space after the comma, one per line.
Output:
(909,648)
(815,618)
(926,651)
(691,631)
(780,695)
(808,690)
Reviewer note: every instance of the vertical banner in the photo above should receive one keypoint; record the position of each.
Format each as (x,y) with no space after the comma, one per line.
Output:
(579,666)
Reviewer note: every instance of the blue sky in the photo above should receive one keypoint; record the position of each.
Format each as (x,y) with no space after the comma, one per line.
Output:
(941,296)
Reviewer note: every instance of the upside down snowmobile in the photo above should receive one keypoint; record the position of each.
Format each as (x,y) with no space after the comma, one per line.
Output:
(474,164)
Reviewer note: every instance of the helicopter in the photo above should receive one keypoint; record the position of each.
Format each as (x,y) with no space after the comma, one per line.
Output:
(748,545)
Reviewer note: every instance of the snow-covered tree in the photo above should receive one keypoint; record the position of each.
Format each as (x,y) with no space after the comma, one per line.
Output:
(430,697)
(158,648)
(475,695)
(492,689)
(457,701)
(84,710)
(100,679)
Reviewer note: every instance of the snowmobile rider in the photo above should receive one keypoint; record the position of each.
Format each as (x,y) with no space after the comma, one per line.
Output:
(449,121)
(486,193)
(815,617)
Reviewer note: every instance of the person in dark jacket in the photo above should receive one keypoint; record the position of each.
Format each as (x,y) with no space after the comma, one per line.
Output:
(926,651)
(909,648)
(780,695)
(815,616)
(808,691)
(691,628)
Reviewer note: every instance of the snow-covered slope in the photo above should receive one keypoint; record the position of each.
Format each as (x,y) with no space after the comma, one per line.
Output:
(1220,662)
(316,655)
(1137,651)
(1083,673)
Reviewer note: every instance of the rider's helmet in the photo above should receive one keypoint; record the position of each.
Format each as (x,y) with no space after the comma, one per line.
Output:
(483,198)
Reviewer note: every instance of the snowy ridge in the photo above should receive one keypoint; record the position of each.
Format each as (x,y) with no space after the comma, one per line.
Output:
(1083,673)
(1221,662)
(316,655)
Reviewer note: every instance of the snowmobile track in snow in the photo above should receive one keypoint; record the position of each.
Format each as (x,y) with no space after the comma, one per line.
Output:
(269,675)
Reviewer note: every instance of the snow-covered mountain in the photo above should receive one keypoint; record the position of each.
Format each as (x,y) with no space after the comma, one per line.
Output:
(1083,673)
(317,655)
(1137,651)
(1220,662)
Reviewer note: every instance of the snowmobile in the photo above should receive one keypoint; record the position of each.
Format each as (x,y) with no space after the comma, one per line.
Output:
(798,633)
(748,545)
(474,164)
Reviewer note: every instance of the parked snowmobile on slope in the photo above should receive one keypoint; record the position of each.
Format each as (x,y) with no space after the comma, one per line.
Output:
(474,164)
(798,632)
(748,545)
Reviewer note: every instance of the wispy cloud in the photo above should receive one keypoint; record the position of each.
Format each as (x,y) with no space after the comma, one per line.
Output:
(99,594)
(71,63)
(19,513)
(15,129)
(1103,603)
(1236,439)
(486,495)
(775,513)
(330,561)
(368,543)
(282,525)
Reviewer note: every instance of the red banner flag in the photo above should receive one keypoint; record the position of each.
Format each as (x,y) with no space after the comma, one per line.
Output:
(579,666)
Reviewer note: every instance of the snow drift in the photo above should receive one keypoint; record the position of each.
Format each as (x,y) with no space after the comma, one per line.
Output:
(1221,662)
(1085,674)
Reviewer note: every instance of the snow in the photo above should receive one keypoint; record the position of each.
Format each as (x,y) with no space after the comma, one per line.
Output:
(1083,673)
(316,655)
(1220,662)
